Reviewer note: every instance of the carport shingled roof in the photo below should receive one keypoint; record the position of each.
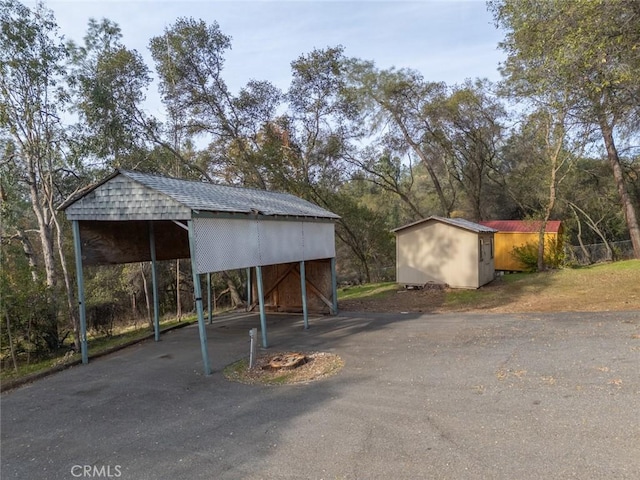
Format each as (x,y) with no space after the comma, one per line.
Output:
(209,197)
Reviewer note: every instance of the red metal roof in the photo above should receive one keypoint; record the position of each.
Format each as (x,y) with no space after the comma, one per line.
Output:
(522,226)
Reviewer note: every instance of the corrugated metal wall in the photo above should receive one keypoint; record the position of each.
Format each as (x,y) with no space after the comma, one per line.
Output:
(226,244)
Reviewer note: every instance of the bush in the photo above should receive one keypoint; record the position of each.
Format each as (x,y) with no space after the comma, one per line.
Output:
(527,255)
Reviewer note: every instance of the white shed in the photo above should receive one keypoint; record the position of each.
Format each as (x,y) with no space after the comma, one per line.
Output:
(450,251)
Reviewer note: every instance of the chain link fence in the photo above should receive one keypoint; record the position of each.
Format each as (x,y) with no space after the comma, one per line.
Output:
(598,252)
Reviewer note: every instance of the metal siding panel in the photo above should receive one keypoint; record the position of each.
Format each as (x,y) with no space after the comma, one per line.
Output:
(228,244)
(280,242)
(225,244)
(319,240)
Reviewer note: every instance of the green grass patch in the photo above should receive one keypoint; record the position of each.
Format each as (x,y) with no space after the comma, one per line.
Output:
(370,290)
(236,369)
(238,372)
(96,345)
(461,298)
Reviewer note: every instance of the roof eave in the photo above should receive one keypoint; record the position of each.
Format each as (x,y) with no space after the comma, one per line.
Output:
(83,192)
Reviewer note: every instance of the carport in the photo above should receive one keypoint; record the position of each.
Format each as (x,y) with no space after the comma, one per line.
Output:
(135,217)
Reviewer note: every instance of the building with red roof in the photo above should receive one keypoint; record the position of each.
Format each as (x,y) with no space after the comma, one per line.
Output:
(517,233)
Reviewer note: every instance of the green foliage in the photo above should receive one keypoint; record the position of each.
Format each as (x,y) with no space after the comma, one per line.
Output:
(368,290)
(527,254)
(26,306)
(379,147)
(586,52)
(554,252)
(108,85)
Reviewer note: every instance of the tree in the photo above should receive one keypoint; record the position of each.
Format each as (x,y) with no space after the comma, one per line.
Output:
(590,48)
(321,128)
(189,58)
(31,66)
(542,155)
(399,100)
(383,166)
(470,133)
(108,85)
(32,98)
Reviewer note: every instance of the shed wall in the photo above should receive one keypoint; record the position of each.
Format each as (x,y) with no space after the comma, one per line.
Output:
(506,241)
(286,296)
(486,264)
(439,253)
(108,242)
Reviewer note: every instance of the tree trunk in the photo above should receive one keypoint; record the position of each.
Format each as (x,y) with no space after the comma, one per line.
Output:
(541,265)
(145,287)
(28,252)
(233,291)
(178,300)
(618,175)
(71,298)
(594,226)
(11,346)
(446,210)
(585,252)
(44,228)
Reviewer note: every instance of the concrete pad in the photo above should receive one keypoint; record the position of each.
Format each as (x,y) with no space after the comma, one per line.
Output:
(523,396)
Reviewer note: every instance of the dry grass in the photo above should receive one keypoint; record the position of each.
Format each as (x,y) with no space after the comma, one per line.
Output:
(603,287)
(318,365)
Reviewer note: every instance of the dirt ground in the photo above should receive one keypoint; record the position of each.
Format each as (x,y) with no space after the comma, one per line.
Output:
(502,297)
(316,365)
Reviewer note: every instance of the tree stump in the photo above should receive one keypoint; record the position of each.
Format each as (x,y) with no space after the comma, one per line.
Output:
(287,361)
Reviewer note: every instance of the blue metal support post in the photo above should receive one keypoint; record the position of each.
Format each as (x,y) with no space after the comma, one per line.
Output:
(198,294)
(263,317)
(248,287)
(154,283)
(81,307)
(209,298)
(334,286)
(303,289)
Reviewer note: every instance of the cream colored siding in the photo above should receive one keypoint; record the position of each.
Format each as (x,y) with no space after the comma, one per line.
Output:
(441,253)
(486,269)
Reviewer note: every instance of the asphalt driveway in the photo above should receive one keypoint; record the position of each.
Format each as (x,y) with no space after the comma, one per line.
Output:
(525,396)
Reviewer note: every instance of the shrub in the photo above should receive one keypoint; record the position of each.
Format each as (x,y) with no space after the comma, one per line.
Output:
(527,255)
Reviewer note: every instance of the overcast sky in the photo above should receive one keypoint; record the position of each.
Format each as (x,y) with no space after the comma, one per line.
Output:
(446,40)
